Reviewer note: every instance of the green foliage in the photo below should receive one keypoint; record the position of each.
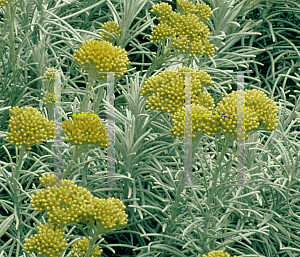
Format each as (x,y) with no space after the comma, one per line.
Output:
(212,217)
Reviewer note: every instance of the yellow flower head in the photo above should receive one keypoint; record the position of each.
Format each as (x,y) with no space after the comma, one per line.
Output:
(168,90)
(202,121)
(67,202)
(49,241)
(110,27)
(101,56)
(85,128)
(64,203)
(82,246)
(28,126)
(218,253)
(50,98)
(257,108)
(110,212)
(50,74)
(188,33)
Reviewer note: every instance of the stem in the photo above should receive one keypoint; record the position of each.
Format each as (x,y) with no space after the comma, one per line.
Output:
(15,179)
(11,19)
(195,143)
(159,60)
(99,98)
(86,98)
(77,153)
(99,229)
(228,140)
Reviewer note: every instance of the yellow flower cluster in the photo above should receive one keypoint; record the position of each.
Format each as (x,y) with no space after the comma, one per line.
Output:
(258,108)
(203,10)
(101,56)
(187,31)
(28,126)
(85,127)
(109,211)
(168,89)
(50,74)
(265,108)
(202,121)
(64,204)
(48,241)
(50,98)
(2,2)
(218,253)
(82,247)
(68,203)
(110,27)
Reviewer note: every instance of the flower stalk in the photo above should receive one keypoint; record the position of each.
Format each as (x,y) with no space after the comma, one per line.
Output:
(14,182)
(11,20)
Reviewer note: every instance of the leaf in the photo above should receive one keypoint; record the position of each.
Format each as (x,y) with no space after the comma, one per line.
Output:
(4,226)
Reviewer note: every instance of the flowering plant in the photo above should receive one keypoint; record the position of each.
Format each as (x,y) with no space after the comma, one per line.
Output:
(87,180)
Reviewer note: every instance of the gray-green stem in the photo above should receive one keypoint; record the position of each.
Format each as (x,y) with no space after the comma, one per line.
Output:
(160,59)
(98,230)
(14,182)
(99,97)
(179,189)
(87,94)
(77,152)
(11,19)
(228,140)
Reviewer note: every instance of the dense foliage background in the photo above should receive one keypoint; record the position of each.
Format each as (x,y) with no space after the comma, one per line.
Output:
(164,220)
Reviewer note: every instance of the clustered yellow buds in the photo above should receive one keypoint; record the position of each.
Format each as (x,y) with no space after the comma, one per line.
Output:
(80,247)
(67,202)
(2,2)
(202,121)
(48,241)
(167,90)
(50,98)
(203,10)
(265,108)
(258,108)
(50,74)
(85,127)
(28,126)
(168,93)
(218,253)
(110,27)
(108,211)
(188,33)
(101,56)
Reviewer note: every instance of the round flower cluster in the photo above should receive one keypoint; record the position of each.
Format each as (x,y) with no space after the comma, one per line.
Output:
(28,126)
(50,98)
(218,253)
(265,108)
(110,27)
(48,179)
(82,246)
(2,2)
(202,121)
(257,108)
(68,203)
(188,33)
(203,10)
(48,241)
(64,203)
(108,211)
(85,127)
(168,89)
(50,74)
(101,56)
